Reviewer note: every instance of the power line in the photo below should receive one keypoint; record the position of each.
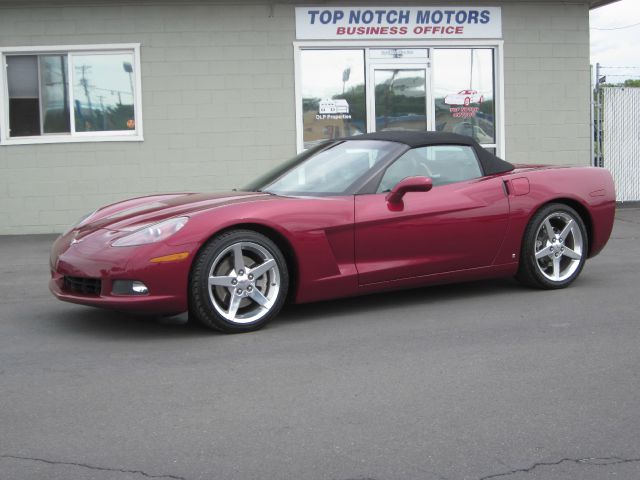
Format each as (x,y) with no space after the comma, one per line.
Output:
(621,67)
(618,75)
(617,28)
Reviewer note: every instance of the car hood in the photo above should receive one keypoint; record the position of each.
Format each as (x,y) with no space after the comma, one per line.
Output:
(137,213)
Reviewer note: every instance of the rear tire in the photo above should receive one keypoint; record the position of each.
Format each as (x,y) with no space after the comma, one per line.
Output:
(238,282)
(554,248)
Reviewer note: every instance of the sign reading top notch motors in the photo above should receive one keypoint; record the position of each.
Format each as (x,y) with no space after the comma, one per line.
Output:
(344,23)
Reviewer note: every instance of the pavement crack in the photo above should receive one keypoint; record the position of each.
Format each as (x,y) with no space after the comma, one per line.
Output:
(595,461)
(90,467)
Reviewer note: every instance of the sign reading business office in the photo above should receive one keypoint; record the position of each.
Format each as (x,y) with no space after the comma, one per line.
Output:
(315,23)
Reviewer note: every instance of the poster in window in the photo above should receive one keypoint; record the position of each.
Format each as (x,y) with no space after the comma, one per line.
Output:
(464,85)
(333,94)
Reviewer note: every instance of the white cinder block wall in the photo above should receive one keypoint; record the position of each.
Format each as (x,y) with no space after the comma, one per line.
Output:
(218,99)
(547,83)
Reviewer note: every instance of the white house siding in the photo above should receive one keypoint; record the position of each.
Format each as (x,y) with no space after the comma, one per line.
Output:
(218,100)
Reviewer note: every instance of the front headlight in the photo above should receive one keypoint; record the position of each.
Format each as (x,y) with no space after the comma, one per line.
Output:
(153,233)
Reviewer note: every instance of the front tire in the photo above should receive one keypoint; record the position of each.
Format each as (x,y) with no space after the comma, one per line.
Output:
(238,282)
(554,248)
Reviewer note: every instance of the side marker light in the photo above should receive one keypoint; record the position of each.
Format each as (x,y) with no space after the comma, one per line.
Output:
(174,257)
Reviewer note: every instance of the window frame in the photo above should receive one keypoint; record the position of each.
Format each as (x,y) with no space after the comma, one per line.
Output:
(135,135)
(496,44)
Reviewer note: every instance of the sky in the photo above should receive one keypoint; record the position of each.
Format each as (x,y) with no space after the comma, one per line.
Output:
(619,45)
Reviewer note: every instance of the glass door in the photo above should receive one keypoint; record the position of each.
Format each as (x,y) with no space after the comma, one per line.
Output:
(400,99)
(398,90)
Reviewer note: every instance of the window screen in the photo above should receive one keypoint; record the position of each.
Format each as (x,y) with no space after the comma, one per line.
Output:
(24,101)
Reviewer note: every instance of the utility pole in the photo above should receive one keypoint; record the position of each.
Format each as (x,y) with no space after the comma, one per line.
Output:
(592,119)
(599,158)
(104,116)
(597,127)
(471,75)
(84,82)
(65,89)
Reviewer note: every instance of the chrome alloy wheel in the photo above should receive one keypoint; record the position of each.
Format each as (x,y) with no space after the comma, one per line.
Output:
(244,281)
(559,246)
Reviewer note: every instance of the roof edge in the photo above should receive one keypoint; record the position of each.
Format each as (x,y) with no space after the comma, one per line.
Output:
(600,3)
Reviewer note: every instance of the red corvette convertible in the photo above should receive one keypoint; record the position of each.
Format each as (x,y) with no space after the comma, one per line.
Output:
(357,215)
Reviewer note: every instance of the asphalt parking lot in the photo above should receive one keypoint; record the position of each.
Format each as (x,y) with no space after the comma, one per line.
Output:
(487,380)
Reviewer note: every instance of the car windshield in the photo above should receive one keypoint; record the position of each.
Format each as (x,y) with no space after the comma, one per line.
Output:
(328,169)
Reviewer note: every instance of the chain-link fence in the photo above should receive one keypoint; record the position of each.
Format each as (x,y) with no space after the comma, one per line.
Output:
(618,139)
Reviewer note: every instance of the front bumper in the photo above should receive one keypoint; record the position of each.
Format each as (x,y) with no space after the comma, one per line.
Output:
(93,257)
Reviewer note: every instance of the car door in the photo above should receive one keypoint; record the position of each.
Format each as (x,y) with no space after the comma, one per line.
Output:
(459,224)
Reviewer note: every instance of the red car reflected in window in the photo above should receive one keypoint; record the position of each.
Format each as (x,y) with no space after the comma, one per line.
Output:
(464,97)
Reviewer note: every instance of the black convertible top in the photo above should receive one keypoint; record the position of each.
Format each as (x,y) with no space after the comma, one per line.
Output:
(490,163)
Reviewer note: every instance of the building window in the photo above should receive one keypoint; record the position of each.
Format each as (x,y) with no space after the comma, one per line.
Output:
(333,94)
(80,94)
(463,88)
(347,88)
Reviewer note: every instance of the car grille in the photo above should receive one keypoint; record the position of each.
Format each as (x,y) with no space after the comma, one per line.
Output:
(86,286)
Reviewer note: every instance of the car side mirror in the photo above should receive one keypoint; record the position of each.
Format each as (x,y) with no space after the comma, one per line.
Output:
(409,184)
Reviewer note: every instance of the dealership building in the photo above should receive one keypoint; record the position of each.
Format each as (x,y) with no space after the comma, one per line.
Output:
(101,101)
